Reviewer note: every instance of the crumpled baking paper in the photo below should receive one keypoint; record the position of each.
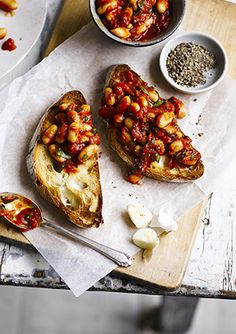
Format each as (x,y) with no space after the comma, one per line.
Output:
(82,63)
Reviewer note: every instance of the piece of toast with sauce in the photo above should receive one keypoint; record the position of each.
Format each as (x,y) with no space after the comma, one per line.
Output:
(142,129)
(63,160)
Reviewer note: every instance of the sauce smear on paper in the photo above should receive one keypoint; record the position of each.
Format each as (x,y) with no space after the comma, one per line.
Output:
(9,45)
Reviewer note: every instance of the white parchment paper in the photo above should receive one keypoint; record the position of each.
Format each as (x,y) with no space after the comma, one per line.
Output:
(82,63)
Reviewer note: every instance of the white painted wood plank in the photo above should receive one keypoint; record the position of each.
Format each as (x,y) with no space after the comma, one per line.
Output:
(212,265)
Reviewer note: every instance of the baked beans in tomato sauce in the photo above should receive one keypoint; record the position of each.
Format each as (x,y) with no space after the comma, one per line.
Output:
(134,20)
(147,125)
(70,137)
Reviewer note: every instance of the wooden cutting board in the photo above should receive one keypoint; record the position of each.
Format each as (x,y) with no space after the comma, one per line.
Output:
(167,265)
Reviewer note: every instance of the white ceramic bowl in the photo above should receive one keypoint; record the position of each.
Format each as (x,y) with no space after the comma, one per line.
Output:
(178,10)
(213,76)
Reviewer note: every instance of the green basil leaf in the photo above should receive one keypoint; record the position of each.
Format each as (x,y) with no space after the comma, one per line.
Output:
(143,89)
(62,154)
(141,3)
(158,157)
(158,103)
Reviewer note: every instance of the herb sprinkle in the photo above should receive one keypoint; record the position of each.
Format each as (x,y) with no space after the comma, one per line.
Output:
(188,63)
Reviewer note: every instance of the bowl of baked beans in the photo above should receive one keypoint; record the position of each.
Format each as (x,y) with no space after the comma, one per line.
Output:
(137,22)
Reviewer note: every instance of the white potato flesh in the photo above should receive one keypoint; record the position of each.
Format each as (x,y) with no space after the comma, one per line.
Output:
(140,216)
(145,238)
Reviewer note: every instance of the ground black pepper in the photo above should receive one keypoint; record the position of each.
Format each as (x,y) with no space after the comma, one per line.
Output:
(188,63)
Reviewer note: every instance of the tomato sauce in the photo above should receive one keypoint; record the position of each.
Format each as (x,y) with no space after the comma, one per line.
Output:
(20,211)
(71,139)
(71,167)
(9,45)
(139,20)
(146,125)
(29,217)
(162,22)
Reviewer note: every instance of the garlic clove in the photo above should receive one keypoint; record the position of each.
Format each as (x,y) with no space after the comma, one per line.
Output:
(145,238)
(164,222)
(139,215)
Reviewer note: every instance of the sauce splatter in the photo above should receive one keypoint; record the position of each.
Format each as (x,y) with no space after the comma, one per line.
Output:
(9,45)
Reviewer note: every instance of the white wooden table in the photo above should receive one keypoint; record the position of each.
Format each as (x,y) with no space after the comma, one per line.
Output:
(211,271)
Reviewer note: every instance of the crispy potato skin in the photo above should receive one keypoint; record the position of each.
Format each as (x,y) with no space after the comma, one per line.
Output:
(186,174)
(39,160)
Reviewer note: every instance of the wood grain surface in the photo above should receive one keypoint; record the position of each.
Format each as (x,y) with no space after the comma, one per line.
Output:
(168,263)
(216,17)
(73,16)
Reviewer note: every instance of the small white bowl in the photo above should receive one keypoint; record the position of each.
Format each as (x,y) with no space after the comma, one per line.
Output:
(177,9)
(213,76)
